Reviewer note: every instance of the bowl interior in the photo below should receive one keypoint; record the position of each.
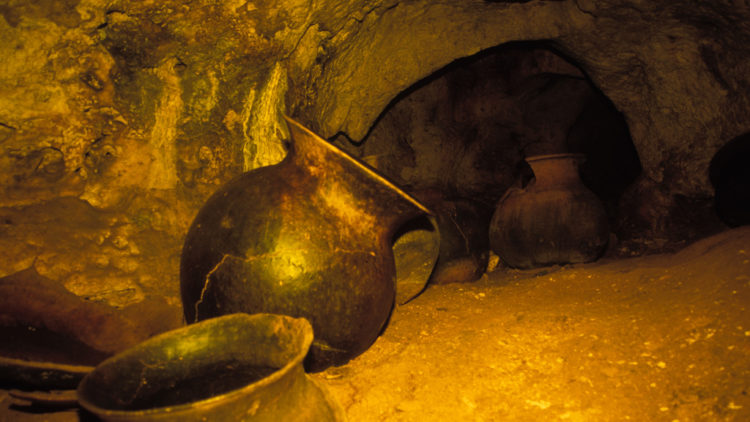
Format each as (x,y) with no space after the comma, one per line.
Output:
(198,362)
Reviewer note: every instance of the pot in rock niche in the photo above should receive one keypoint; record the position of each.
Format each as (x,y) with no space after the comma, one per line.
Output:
(308,237)
(232,368)
(464,251)
(555,219)
(464,244)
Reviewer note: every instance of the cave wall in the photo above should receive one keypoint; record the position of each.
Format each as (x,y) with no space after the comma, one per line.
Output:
(465,130)
(119,118)
(676,70)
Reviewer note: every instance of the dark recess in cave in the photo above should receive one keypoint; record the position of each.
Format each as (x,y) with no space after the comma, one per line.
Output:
(457,139)
(730,176)
(593,127)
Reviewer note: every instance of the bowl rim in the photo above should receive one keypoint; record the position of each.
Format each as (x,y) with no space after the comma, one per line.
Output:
(301,324)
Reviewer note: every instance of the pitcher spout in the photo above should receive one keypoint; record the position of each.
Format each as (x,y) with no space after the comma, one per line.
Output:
(352,180)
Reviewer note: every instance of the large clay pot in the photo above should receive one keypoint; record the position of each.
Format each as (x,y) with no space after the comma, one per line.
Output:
(233,368)
(555,219)
(309,237)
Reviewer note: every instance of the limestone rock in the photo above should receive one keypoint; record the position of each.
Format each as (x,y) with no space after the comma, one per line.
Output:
(141,109)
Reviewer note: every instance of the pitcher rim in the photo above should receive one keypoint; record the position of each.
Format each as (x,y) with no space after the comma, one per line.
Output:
(364,167)
(542,157)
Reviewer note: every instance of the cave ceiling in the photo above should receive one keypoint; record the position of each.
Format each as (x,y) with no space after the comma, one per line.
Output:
(223,70)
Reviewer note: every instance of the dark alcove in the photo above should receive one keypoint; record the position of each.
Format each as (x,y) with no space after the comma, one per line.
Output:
(457,140)
(730,177)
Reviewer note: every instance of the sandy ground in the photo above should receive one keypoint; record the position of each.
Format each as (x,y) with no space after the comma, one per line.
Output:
(655,338)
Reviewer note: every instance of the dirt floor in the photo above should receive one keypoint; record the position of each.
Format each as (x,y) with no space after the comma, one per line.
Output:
(654,338)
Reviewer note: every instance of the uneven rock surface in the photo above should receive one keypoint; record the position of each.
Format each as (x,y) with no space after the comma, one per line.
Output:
(645,339)
(139,110)
(658,338)
(118,119)
(672,68)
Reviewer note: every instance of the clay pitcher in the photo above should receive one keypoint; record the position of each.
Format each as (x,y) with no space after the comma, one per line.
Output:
(308,237)
(555,219)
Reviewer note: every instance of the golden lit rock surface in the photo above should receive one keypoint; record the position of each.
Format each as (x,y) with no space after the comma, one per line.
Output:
(143,109)
(663,337)
(119,118)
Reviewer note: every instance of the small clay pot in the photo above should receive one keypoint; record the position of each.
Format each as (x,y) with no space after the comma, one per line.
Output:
(464,243)
(555,219)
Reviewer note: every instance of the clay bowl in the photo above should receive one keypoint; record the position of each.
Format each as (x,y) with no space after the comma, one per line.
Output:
(236,367)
